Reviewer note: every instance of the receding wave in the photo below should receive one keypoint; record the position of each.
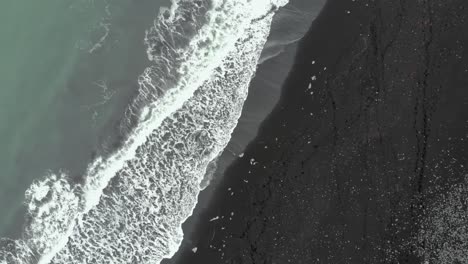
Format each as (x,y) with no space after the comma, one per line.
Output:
(131,205)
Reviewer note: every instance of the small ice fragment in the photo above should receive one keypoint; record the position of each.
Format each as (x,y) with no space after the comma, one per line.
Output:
(241,155)
(314,78)
(194,250)
(214,219)
(310,86)
(313,62)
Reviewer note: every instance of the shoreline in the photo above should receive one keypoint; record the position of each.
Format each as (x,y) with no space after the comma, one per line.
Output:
(264,94)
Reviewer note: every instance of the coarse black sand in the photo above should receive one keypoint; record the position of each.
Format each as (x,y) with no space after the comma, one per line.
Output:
(352,169)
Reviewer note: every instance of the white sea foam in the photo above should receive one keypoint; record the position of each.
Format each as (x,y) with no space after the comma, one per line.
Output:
(133,202)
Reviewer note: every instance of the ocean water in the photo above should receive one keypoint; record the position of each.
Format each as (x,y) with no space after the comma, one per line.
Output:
(68,71)
(130,108)
(32,74)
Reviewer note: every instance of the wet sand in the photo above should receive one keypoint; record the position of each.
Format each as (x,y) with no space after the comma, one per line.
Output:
(350,169)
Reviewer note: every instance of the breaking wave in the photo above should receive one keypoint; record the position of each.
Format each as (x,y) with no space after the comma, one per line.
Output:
(131,205)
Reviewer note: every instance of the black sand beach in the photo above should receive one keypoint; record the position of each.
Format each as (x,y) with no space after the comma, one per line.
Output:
(351,169)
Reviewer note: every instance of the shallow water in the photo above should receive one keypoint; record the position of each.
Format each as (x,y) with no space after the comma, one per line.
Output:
(289,25)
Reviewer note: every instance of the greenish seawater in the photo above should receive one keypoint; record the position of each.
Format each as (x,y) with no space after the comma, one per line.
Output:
(68,69)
